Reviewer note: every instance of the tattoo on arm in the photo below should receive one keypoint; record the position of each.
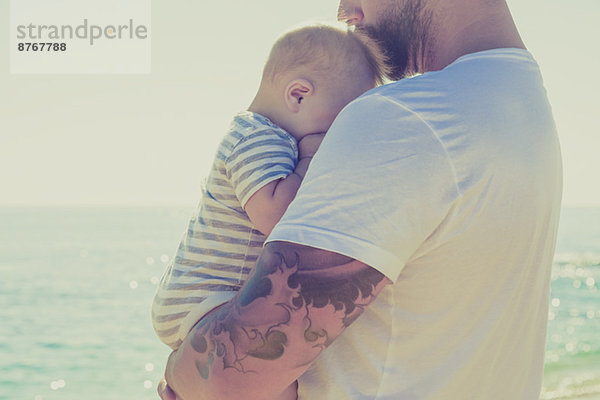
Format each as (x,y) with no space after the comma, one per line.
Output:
(297,301)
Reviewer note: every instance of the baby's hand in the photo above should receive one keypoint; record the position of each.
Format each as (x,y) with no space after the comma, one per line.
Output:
(309,144)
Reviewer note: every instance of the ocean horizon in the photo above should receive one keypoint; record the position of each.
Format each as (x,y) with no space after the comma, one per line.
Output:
(79,281)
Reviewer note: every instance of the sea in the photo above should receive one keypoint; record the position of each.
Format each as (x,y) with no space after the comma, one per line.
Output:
(76,284)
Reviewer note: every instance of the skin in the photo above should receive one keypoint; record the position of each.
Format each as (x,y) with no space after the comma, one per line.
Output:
(306,109)
(432,34)
(267,205)
(294,305)
(300,299)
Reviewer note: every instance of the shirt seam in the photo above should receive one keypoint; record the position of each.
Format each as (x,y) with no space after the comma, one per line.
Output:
(265,121)
(245,137)
(389,344)
(382,255)
(433,133)
(514,52)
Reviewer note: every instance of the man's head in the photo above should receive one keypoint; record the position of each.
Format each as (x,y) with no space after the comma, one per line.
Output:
(319,69)
(401,27)
(425,35)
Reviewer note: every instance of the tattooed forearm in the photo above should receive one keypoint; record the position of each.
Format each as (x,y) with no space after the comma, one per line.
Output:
(296,302)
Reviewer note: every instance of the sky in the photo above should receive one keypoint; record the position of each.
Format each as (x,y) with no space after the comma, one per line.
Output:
(149,139)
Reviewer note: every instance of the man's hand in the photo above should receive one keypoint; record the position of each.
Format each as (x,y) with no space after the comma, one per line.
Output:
(309,144)
(165,392)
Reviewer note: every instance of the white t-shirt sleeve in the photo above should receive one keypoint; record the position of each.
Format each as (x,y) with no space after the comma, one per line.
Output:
(380,184)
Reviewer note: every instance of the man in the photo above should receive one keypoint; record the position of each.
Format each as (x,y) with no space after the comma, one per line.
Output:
(431,209)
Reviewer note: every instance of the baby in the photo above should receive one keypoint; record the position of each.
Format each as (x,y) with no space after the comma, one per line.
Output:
(310,75)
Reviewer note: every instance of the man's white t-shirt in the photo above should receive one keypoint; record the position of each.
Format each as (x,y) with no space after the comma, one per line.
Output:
(450,184)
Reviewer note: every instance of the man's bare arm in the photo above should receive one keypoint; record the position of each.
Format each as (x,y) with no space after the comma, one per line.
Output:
(296,303)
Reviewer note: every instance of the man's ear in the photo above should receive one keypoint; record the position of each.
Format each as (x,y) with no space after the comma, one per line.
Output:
(296,92)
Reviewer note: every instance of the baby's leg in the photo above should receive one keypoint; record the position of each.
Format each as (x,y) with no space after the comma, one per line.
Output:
(183,297)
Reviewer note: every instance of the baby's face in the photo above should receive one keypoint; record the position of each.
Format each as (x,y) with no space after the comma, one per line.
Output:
(329,101)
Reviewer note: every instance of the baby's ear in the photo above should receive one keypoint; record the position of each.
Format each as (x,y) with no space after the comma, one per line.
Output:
(296,92)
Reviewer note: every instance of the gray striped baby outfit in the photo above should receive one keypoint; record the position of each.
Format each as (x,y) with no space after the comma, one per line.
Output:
(221,245)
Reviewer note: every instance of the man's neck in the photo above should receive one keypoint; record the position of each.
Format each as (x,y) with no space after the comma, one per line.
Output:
(491,28)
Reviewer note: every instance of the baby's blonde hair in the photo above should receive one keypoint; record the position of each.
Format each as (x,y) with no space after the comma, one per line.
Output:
(322,49)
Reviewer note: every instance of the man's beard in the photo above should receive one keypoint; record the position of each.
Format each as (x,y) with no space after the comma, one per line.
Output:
(402,33)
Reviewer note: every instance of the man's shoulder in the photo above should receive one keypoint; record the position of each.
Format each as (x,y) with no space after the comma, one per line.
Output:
(404,91)
(474,70)
(399,97)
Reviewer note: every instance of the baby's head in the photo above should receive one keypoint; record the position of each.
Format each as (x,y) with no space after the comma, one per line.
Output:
(312,73)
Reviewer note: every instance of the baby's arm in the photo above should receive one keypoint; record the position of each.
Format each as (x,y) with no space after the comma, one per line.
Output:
(267,205)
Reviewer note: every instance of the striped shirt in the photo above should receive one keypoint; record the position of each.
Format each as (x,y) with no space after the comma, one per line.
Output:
(221,245)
